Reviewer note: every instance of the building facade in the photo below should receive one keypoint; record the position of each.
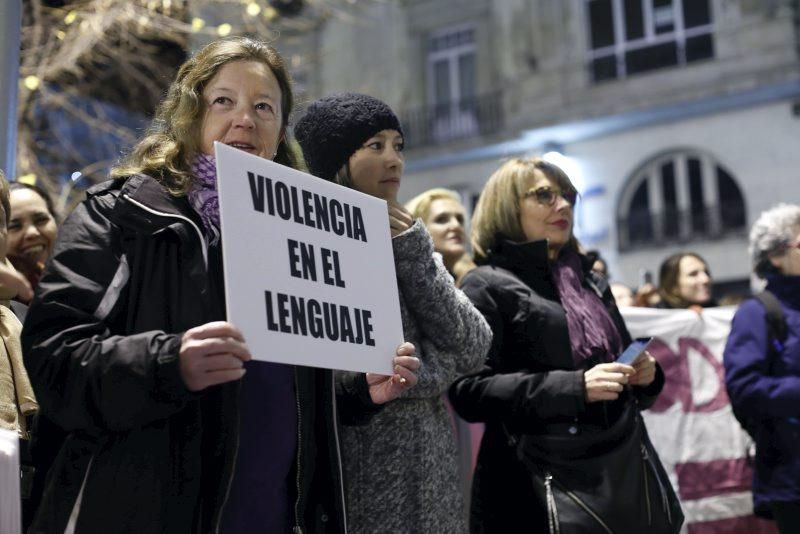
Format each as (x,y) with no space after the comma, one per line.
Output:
(678,120)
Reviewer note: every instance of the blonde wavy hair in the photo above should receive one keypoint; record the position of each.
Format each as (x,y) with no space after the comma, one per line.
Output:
(420,207)
(172,140)
(497,214)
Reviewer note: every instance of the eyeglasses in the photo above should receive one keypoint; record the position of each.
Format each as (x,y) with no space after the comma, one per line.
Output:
(547,196)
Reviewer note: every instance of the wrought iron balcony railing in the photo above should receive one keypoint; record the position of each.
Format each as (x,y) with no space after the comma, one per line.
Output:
(641,228)
(445,122)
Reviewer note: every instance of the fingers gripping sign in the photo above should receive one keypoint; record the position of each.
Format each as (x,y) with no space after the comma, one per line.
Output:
(605,381)
(211,354)
(384,388)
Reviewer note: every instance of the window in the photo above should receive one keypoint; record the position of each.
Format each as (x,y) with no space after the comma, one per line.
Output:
(628,37)
(679,197)
(451,83)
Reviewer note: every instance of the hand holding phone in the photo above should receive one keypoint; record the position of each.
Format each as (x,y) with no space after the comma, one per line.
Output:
(635,351)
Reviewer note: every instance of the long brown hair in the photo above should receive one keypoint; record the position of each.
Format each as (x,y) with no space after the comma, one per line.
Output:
(669,275)
(172,140)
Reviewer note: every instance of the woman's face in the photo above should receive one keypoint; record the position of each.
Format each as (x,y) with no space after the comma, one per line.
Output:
(445,223)
(541,219)
(694,282)
(242,109)
(788,261)
(31,228)
(377,167)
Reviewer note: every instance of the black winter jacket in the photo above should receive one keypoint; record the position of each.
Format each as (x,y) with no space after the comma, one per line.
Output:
(130,273)
(530,384)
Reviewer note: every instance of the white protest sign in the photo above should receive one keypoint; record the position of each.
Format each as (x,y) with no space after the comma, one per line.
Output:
(309,268)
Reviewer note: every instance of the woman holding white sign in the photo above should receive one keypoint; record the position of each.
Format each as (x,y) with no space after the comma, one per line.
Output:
(356,140)
(561,414)
(128,349)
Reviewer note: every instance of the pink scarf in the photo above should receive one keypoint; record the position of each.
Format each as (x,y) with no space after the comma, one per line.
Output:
(591,329)
(203,195)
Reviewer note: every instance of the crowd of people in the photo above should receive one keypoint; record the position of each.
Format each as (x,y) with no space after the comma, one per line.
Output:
(140,408)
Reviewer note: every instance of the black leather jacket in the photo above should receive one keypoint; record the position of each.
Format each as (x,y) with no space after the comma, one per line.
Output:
(530,384)
(131,272)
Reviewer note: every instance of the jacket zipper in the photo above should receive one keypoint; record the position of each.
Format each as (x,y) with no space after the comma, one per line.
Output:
(297,528)
(338,451)
(645,467)
(148,209)
(221,509)
(552,511)
(72,521)
(577,501)
(204,250)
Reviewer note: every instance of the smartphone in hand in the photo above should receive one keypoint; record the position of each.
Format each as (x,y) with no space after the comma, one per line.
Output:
(635,351)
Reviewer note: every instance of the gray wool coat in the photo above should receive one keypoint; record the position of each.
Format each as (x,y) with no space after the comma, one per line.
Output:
(400,470)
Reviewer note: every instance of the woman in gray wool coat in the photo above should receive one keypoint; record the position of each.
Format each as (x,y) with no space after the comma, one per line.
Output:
(355,140)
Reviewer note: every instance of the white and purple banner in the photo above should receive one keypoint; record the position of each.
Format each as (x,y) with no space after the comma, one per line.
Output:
(692,427)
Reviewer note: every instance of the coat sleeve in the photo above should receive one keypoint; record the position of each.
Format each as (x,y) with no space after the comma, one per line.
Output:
(522,400)
(753,391)
(85,376)
(353,401)
(453,336)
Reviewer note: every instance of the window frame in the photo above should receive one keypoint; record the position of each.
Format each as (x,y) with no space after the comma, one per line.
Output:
(679,35)
(650,172)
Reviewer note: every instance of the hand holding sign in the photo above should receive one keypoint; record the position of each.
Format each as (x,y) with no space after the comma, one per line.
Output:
(383,388)
(211,354)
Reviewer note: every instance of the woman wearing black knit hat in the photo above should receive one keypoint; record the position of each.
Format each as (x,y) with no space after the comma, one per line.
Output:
(356,140)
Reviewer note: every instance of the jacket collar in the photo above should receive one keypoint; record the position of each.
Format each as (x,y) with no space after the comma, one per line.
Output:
(786,288)
(150,207)
(529,261)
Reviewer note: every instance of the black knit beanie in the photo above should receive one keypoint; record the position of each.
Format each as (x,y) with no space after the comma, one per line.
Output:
(336,126)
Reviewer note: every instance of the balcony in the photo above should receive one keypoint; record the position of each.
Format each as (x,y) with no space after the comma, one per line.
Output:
(442,123)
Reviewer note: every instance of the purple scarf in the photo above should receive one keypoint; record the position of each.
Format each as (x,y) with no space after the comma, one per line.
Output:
(203,195)
(591,329)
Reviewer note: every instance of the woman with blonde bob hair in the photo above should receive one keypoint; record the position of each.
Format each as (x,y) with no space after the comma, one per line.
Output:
(551,371)
(444,216)
(128,348)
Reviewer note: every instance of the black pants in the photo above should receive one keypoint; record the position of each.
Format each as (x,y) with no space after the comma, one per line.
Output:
(787,516)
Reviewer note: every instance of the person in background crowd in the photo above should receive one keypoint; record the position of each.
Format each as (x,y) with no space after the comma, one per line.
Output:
(762,372)
(556,333)
(18,403)
(356,140)
(444,217)
(32,230)
(599,265)
(623,295)
(685,282)
(128,350)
